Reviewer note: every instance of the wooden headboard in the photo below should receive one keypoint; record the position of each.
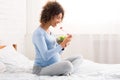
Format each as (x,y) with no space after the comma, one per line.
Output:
(14,45)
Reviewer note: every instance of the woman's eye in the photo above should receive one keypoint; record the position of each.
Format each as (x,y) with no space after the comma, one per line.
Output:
(58,17)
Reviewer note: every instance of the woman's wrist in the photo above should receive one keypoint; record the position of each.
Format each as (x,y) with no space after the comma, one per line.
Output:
(63,49)
(63,45)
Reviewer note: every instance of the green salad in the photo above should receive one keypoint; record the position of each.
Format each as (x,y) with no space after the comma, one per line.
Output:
(60,39)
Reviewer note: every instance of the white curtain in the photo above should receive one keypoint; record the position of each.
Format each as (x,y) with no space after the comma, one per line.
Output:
(106,48)
(102,48)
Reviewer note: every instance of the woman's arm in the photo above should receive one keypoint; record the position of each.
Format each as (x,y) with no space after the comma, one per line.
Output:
(40,43)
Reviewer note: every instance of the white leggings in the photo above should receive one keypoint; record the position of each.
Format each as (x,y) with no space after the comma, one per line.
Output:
(60,68)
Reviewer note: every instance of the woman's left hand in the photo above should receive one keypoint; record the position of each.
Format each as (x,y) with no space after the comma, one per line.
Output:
(66,41)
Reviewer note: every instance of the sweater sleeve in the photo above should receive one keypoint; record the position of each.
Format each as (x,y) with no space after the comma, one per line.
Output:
(61,51)
(46,54)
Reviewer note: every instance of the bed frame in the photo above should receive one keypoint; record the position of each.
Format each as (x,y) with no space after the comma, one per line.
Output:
(14,45)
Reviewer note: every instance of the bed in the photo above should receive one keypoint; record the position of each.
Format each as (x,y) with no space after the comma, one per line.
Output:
(15,66)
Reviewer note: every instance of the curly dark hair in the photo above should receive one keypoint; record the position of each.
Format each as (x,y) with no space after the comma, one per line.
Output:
(51,9)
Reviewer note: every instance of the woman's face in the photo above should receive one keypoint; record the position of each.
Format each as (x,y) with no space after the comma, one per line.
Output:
(56,19)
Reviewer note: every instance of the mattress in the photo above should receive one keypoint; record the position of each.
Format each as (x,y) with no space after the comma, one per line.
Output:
(87,71)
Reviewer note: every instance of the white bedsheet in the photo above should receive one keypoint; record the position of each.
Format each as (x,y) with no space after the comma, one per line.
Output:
(87,71)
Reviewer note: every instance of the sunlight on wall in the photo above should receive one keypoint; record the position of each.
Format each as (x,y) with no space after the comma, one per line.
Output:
(81,16)
(91,16)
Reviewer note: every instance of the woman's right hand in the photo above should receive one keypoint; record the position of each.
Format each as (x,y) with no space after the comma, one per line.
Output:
(66,41)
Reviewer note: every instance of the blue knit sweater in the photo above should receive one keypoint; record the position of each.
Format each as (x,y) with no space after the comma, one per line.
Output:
(46,48)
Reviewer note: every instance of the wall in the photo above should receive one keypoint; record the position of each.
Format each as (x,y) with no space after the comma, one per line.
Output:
(13,22)
(89,22)
(91,16)
(95,28)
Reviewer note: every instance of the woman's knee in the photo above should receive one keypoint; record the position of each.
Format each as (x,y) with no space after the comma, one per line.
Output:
(68,66)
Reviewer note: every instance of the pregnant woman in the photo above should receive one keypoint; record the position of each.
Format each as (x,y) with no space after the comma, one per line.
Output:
(48,52)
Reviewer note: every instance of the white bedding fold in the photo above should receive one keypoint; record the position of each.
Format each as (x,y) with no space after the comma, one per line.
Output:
(87,71)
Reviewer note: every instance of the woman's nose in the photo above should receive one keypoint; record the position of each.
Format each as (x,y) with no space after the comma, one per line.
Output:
(59,20)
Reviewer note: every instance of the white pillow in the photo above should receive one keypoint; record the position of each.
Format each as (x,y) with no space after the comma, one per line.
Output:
(14,60)
(2,67)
